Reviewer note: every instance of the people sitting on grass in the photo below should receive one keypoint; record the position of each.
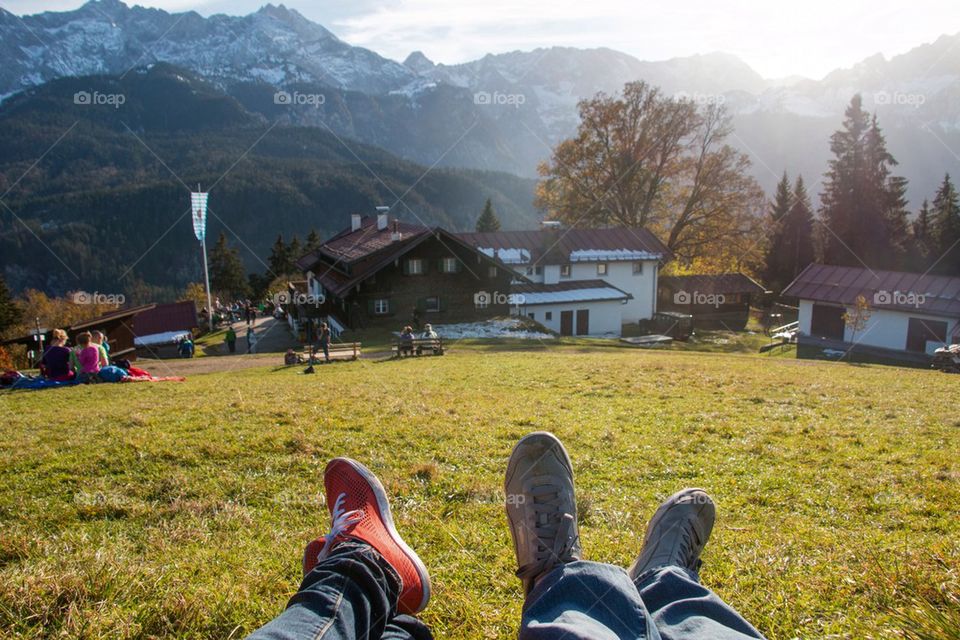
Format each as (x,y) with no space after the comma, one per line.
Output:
(55,364)
(406,341)
(89,358)
(290,357)
(100,339)
(361,580)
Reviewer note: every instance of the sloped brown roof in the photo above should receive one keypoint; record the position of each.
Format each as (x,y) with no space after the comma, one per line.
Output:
(557,245)
(842,285)
(712,283)
(174,316)
(350,246)
(352,256)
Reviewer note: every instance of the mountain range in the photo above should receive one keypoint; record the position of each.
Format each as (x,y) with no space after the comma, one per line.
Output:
(502,111)
(106,208)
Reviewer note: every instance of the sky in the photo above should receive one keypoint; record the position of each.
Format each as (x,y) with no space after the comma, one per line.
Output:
(777,38)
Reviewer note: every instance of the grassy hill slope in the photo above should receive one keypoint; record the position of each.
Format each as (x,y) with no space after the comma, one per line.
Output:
(180,510)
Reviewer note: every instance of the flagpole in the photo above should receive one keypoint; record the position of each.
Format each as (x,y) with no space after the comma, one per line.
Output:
(202,236)
(206,277)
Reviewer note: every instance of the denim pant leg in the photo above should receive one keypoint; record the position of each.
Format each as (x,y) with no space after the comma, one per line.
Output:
(683,609)
(586,601)
(352,595)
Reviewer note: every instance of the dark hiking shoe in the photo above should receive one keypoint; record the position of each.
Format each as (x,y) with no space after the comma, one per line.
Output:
(677,533)
(541,506)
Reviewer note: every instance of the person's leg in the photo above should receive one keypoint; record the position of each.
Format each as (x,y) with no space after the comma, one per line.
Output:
(565,596)
(358,577)
(667,573)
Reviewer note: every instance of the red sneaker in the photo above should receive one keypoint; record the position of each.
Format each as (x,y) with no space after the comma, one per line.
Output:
(359,510)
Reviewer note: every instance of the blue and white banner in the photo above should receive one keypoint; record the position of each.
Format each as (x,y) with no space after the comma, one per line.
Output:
(198,205)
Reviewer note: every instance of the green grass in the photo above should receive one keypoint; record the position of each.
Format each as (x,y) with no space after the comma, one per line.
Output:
(180,510)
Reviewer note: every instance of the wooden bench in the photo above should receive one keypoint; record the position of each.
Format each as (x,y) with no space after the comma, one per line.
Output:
(338,351)
(419,347)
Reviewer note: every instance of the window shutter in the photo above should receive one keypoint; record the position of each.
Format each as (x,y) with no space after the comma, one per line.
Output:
(421,304)
(406,267)
(371,310)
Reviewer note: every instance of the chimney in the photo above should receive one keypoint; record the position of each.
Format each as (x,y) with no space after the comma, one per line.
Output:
(382,218)
(396,235)
(355,222)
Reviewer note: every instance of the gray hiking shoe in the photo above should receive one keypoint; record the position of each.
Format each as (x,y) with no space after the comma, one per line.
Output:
(677,533)
(541,506)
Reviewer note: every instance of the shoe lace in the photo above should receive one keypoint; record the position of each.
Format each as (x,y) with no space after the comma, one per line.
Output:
(689,545)
(341,522)
(554,530)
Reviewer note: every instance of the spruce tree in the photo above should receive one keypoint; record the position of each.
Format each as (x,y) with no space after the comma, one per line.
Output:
(294,253)
(924,242)
(279,257)
(488,220)
(226,270)
(313,242)
(863,206)
(791,246)
(946,222)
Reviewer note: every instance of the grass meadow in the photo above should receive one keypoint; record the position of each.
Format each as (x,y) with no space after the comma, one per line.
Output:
(180,510)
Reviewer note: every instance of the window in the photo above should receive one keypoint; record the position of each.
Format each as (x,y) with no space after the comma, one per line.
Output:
(534,270)
(548,315)
(529,271)
(431,304)
(601,268)
(638,268)
(565,271)
(381,306)
(449,265)
(491,272)
(414,267)
(531,316)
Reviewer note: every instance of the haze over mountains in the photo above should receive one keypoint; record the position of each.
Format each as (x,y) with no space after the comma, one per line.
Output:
(502,111)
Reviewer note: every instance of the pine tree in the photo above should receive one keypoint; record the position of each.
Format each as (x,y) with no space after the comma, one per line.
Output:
(10,313)
(488,220)
(279,257)
(791,246)
(313,242)
(227,275)
(946,223)
(294,253)
(924,242)
(864,208)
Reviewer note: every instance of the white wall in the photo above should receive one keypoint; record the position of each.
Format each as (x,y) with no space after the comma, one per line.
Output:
(642,286)
(605,315)
(804,316)
(885,328)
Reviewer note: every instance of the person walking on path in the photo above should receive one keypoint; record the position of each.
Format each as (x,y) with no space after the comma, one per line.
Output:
(325,341)
(231,339)
(251,340)
(361,580)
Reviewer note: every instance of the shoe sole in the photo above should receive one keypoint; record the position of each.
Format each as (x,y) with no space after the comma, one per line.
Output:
(667,504)
(386,515)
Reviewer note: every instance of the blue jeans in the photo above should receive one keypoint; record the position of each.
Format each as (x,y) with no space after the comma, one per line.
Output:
(350,595)
(353,594)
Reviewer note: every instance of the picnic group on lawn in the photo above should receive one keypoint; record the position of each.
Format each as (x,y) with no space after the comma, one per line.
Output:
(361,580)
(87,362)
